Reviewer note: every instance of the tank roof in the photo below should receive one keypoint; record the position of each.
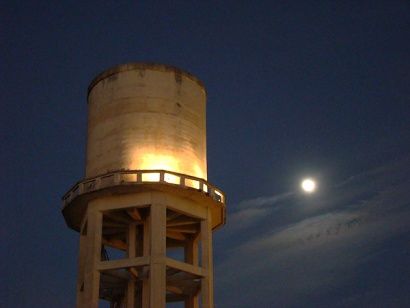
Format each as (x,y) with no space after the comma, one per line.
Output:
(139,65)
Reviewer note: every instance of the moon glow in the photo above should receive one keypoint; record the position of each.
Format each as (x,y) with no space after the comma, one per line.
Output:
(308,185)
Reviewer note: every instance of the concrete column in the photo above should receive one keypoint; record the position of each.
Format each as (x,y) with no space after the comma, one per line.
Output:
(92,258)
(191,257)
(132,240)
(207,264)
(146,250)
(158,256)
(81,265)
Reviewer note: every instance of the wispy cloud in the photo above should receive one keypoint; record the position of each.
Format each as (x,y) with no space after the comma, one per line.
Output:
(264,201)
(353,192)
(321,250)
(253,210)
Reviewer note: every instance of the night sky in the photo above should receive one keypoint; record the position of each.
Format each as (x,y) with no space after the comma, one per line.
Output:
(295,89)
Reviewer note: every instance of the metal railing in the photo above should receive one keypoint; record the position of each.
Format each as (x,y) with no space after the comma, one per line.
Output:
(135,177)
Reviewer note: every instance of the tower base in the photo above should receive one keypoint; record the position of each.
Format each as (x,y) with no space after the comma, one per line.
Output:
(142,250)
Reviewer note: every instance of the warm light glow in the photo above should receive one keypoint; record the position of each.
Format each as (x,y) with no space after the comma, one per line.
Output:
(192,183)
(198,172)
(149,159)
(308,185)
(150,177)
(171,178)
(159,162)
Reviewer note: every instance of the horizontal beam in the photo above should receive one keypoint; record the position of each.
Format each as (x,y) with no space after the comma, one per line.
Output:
(176,235)
(123,263)
(117,217)
(115,243)
(183,222)
(174,289)
(116,274)
(184,229)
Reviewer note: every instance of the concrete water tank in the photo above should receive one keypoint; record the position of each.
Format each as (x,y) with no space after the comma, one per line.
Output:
(146,117)
(145,194)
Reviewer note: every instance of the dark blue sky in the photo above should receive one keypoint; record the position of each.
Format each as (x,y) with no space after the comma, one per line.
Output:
(295,88)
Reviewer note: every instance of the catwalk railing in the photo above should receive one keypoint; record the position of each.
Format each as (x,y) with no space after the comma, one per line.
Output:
(138,177)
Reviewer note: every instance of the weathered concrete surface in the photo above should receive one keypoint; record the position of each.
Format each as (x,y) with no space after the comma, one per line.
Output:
(146,116)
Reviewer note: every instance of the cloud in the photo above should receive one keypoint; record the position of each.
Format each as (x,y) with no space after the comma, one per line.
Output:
(264,201)
(307,257)
(314,229)
(253,210)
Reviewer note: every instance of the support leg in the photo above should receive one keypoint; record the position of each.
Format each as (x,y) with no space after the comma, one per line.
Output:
(158,254)
(191,257)
(81,265)
(207,265)
(146,252)
(93,256)
(132,239)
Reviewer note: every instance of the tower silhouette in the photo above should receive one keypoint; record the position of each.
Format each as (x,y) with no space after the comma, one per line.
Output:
(145,211)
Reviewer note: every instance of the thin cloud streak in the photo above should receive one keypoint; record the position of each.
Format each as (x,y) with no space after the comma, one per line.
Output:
(252,210)
(265,201)
(321,251)
(343,195)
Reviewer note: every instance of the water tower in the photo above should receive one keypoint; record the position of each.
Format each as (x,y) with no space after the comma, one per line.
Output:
(145,211)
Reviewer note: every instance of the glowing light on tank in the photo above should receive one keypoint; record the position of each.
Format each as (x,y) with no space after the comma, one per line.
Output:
(159,126)
(150,161)
(144,159)
(198,172)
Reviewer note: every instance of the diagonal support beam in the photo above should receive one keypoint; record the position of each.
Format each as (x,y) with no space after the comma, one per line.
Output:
(134,214)
(123,263)
(185,267)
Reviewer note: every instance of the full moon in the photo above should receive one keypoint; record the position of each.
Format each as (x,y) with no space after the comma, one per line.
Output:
(308,185)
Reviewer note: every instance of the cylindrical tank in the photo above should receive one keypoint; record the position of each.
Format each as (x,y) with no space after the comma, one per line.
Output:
(146,117)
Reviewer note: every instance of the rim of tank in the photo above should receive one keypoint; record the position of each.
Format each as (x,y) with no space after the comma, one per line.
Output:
(141,65)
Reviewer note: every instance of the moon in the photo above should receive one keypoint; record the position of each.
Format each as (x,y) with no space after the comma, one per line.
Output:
(308,185)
